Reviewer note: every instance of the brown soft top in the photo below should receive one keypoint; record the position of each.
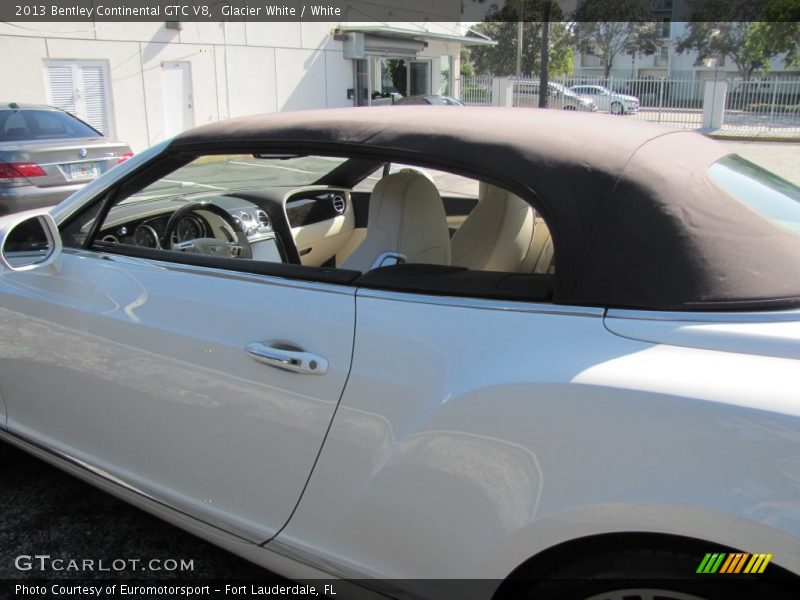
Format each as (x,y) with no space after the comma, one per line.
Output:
(635,219)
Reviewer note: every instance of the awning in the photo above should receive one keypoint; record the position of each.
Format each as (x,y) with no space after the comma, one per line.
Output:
(421,34)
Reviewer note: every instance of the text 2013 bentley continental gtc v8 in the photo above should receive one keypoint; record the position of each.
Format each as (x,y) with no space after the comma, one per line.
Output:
(401,345)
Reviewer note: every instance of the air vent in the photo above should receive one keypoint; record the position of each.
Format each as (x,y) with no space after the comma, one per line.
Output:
(246,217)
(263,218)
(339,204)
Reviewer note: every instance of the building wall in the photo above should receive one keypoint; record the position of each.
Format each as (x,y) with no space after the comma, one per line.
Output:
(236,68)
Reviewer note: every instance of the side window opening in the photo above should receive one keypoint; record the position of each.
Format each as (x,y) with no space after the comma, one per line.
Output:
(503,233)
(401,227)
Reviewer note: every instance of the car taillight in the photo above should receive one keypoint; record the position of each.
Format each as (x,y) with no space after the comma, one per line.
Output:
(20,170)
(123,157)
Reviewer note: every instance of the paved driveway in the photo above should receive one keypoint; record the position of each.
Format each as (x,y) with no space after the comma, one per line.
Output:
(44,511)
(780,157)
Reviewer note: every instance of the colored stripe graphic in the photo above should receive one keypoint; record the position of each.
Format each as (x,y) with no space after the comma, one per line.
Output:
(703,563)
(717,563)
(758,563)
(742,558)
(727,564)
(764,564)
(711,562)
(733,562)
(737,562)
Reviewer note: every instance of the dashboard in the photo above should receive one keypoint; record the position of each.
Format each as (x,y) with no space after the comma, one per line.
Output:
(149,232)
(312,206)
(261,224)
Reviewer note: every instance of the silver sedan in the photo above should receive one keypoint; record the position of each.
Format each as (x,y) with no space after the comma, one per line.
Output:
(47,153)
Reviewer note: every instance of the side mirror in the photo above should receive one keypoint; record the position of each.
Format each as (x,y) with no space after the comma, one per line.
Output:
(28,240)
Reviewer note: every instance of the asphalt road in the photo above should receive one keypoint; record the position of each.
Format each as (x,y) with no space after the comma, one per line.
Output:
(44,511)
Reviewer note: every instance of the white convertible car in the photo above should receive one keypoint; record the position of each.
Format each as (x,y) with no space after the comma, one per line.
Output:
(406,346)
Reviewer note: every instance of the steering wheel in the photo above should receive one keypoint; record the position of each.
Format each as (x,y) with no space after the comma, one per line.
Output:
(210,246)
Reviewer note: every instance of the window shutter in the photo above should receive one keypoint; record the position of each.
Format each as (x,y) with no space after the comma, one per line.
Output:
(62,87)
(81,88)
(95,97)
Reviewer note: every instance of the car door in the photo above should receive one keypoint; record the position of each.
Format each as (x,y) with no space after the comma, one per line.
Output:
(149,373)
(602,99)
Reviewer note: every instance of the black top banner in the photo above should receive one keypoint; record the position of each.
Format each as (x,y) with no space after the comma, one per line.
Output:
(397,10)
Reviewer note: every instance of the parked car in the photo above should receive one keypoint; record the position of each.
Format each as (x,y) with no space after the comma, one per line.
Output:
(526,94)
(607,100)
(586,392)
(429,99)
(47,153)
(385,98)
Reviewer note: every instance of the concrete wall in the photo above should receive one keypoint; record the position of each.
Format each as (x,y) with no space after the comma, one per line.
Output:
(236,68)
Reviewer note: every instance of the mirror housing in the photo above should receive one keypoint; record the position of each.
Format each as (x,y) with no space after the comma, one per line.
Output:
(29,240)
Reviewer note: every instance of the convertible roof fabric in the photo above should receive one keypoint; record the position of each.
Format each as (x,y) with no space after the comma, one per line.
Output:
(635,219)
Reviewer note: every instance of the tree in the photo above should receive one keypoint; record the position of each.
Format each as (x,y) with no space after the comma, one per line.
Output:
(598,30)
(746,44)
(467,69)
(501,26)
(782,21)
(397,71)
(745,36)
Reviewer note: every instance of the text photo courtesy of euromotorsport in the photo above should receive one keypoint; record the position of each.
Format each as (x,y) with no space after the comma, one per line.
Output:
(57,590)
(185,11)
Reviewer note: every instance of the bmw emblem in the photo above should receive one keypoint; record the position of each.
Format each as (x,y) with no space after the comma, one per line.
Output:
(83,153)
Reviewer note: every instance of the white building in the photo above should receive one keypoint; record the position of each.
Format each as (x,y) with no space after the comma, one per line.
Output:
(666,62)
(146,81)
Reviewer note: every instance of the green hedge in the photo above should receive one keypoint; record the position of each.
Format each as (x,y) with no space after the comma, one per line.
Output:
(764,107)
(475,94)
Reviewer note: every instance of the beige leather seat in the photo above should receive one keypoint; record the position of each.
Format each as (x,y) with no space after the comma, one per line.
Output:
(497,235)
(541,255)
(406,223)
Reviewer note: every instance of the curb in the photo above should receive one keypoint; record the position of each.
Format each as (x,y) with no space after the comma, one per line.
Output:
(752,138)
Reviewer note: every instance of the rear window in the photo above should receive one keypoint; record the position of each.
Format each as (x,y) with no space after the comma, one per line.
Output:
(32,124)
(769,195)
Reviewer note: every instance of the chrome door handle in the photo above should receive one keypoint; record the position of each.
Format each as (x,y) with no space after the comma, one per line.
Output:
(296,361)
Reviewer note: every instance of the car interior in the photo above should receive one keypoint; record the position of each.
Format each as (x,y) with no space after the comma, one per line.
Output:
(373,224)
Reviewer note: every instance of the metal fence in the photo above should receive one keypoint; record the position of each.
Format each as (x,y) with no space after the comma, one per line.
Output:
(675,102)
(476,90)
(765,107)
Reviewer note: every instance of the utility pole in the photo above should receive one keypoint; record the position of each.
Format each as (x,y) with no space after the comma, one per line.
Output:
(519,37)
(544,86)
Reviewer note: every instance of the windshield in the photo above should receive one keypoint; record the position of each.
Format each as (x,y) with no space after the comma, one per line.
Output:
(223,173)
(560,88)
(26,124)
(769,195)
